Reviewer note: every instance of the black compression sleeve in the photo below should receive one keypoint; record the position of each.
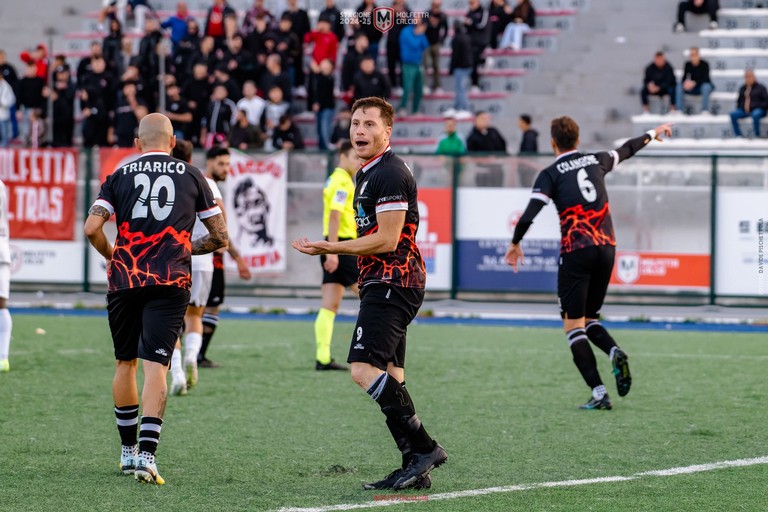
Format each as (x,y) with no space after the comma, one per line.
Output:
(632,146)
(533,209)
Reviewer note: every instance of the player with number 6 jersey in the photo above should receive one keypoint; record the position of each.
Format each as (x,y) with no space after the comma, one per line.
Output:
(576,185)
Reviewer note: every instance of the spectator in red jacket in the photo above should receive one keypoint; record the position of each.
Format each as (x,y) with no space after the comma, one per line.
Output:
(326,43)
(38,57)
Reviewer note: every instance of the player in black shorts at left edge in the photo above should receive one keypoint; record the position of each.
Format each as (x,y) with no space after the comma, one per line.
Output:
(155,200)
(392,278)
(576,185)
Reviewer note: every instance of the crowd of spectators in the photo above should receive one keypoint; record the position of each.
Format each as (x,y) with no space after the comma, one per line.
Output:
(240,77)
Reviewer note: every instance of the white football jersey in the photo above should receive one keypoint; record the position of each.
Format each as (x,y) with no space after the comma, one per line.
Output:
(205,261)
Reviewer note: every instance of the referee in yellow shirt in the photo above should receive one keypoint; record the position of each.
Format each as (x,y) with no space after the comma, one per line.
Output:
(339,271)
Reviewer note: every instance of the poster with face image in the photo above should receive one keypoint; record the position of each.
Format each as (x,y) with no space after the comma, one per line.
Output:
(255,199)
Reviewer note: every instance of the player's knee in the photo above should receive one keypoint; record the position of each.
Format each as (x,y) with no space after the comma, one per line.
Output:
(360,375)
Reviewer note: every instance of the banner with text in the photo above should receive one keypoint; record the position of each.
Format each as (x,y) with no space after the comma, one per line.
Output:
(652,271)
(742,222)
(113,158)
(42,192)
(255,201)
(434,236)
(39,261)
(486,221)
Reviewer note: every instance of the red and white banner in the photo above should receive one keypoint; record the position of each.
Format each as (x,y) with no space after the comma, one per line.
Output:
(42,192)
(434,237)
(658,270)
(114,158)
(255,200)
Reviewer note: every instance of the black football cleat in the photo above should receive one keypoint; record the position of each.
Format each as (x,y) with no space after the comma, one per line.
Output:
(333,365)
(389,482)
(603,403)
(621,371)
(207,363)
(420,466)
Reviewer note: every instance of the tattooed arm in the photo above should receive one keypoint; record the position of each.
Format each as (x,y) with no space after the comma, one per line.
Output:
(94,224)
(216,238)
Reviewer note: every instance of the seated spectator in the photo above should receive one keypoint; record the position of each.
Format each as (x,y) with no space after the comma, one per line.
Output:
(695,82)
(709,7)
(451,144)
(322,101)
(340,130)
(244,135)
(752,102)
(274,110)
(287,135)
(460,67)
(290,48)
(499,16)
(659,81)
(523,19)
(252,104)
(413,44)
(484,137)
(529,142)
(369,81)
(221,115)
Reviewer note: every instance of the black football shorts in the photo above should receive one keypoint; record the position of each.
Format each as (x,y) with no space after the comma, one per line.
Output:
(382,323)
(145,322)
(582,280)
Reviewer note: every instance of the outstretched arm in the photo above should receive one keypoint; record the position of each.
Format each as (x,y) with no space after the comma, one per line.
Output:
(632,146)
(385,239)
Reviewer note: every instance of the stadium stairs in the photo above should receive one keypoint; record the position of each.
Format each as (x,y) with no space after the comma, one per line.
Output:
(740,42)
(506,75)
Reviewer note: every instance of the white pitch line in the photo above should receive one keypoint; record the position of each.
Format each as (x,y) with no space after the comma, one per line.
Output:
(685,470)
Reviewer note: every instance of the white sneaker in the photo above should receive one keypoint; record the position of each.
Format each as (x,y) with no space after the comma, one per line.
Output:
(191,367)
(438,90)
(426,90)
(705,113)
(146,470)
(128,456)
(397,91)
(449,113)
(179,385)
(475,90)
(489,62)
(712,25)
(464,114)
(679,27)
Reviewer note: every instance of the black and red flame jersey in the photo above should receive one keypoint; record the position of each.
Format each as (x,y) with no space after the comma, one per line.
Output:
(385,183)
(576,184)
(155,200)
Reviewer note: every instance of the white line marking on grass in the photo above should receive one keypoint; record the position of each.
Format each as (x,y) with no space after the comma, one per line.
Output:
(685,470)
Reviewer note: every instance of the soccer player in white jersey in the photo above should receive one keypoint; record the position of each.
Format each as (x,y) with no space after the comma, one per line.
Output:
(6,323)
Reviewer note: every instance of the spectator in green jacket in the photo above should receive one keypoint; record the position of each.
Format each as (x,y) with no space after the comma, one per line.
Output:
(451,144)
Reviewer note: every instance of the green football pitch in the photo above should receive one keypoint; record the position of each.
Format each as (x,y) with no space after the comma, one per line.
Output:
(267,432)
